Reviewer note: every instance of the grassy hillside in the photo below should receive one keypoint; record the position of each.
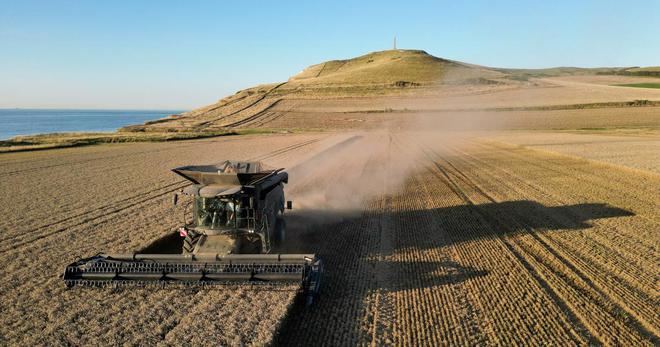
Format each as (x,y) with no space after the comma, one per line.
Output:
(524,74)
(643,71)
(413,67)
(392,72)
(384,73)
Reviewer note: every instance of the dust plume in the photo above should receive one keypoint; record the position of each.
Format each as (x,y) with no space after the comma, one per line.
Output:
(343,179)
(345,176)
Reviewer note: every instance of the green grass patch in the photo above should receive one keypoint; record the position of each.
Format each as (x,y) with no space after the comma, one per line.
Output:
(62,140)
(640,85)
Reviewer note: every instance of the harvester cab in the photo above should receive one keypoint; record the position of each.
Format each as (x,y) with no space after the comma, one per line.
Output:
(237,208)
(237,220)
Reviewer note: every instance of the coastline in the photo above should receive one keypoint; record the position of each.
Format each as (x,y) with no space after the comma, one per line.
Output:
(38,121)
(84,127)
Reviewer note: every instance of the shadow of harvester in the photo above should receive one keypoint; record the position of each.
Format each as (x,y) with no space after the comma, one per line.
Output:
(351,243)
(312,231)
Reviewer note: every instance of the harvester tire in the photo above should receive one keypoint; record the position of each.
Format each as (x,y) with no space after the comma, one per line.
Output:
(190,241)
(280,230)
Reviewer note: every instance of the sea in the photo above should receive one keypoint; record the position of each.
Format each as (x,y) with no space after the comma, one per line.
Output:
(14,122)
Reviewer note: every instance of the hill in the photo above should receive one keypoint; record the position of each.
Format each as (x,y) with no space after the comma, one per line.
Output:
(391,72)
(388,68)
(410,80)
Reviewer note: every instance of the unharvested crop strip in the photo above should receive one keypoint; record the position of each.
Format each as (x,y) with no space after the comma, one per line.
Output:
(31,232)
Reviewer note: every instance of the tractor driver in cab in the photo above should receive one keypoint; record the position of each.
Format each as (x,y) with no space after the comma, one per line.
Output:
(236,213)
(229,168)
(221,213)
(230,209)
(211,212)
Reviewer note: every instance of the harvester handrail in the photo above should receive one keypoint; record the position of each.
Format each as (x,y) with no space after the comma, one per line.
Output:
(272,173)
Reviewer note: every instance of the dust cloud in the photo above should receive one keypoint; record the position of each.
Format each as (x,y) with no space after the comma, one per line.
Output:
(345,176)
(343,179)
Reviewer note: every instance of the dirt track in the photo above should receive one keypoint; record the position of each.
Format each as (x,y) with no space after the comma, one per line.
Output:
(484,243)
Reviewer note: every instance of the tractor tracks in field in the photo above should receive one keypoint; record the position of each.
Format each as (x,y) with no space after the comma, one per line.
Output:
(258,100)
(621,235)
(624,287)
(104,212)
(517,254)
(269,118)
(256,116)
(597,180)
(383,312)
(571,288)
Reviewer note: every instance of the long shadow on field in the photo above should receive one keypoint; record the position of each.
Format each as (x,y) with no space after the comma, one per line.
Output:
(350,245)
(312,230)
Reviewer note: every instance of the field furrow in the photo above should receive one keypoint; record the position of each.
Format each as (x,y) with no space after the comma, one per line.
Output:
(578,276)
(35,294)
(533,286)
(627,285)
(615,236)
(608,244)
(426,241)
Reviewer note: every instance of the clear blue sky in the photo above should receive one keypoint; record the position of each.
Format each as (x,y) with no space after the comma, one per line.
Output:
(184,54)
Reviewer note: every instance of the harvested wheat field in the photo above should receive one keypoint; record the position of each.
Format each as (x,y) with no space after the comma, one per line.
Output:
(215,173)
(636,149)
(451,204)
(427,239)
(489,244)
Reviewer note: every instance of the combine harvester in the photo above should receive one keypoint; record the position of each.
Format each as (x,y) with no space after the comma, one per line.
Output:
(237,219)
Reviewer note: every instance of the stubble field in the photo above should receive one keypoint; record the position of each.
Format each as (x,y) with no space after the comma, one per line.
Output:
(427,240)
(78,202)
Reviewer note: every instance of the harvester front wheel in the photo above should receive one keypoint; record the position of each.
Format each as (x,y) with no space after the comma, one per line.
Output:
(190,241)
